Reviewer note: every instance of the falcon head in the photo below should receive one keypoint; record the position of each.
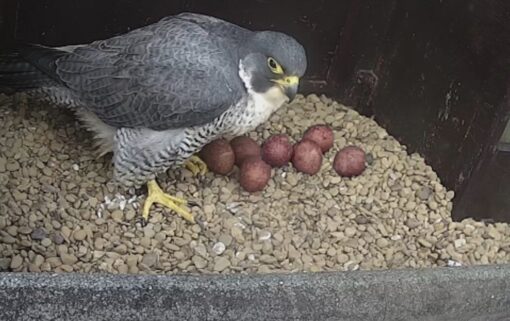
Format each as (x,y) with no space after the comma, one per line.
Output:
(272,62)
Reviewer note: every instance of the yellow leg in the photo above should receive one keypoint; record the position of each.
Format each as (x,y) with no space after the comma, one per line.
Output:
(196,165)
(156,195)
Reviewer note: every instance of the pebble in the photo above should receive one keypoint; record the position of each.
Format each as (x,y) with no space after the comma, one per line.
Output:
(149,259)
(459,243)
(424,242)
(267,259)
(12,230)
(219,248)
(6,238)
(237,234)
(413,223)
(493,233)
(68,259)
(16,262)
(130,214)
(46,242)
(5,263)
(221,263)
(121,249)
(149,231)
(3,164)
(264,235)
(342,258)
(38,234)
(19,196)
(361,220)
(66,268)
(292,179)
(12,166)
(350,232)
(225,239)
(79,235)
(424,193)
(38,260)
(179,255)
(57,238)
(202,251)
(382,242)
(117,215)
(199,261)
(209,209)
(132,261)
(25,230)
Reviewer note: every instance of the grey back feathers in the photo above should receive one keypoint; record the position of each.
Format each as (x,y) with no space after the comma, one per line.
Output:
(170,74)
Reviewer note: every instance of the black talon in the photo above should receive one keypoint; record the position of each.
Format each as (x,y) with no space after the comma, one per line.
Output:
(192,203)
(142,190)
(200,223)
(143,222)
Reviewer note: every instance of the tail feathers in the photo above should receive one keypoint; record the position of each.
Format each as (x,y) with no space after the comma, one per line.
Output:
(28,67)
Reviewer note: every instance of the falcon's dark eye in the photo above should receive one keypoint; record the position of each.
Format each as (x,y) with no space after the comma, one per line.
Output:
(274,66)
(272,63)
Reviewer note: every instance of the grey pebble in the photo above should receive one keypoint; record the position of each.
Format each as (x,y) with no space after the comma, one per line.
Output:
(57,238)
(424,193)
(149,259)
(5,263)
(221,263)
(68,259)
(369,158)
(46,242)
(38,234)
(225,239)
(199,261)
(16,262)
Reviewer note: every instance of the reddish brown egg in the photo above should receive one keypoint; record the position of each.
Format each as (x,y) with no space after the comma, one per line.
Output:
(219,156)
(277,150)
(244,147)
(322,135)
(307,157)
(349,161)
(254,174)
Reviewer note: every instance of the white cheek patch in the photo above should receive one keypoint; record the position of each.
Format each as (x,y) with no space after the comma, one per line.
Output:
(245,77)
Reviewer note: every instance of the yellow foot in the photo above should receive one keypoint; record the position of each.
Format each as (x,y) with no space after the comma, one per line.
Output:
(196,165)
(156,195)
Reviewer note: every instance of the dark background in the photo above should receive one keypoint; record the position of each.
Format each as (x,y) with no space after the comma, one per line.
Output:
(434,73)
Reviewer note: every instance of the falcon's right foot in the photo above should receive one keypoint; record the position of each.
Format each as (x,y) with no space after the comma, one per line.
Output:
(156,195)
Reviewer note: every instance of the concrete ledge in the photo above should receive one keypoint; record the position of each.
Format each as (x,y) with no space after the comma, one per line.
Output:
(456,294)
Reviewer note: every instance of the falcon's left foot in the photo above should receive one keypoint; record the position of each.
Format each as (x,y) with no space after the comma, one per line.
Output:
(156,195)
(196,165)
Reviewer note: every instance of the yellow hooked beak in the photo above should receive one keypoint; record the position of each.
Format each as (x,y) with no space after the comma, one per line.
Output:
(289,85)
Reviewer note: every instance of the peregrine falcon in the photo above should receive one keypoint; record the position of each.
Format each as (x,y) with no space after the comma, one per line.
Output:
(156,95)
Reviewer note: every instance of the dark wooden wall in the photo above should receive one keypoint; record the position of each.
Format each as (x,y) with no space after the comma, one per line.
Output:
(434,73)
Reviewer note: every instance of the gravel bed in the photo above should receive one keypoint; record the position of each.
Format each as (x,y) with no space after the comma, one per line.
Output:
(59,212)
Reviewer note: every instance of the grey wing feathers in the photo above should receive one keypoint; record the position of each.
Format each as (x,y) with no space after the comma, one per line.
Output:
(167,75)
(28,67)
